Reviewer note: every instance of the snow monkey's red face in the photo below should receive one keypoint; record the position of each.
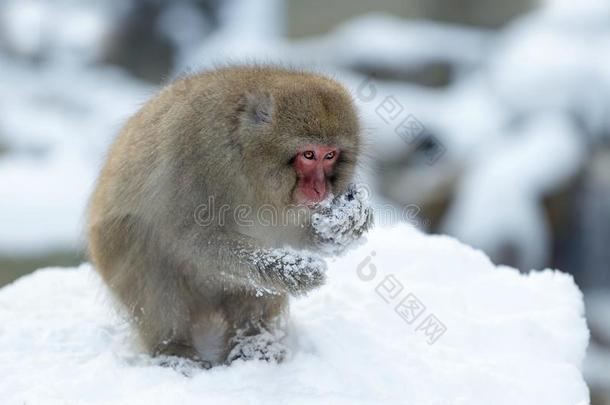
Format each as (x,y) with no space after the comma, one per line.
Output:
(315,167)
(305,137)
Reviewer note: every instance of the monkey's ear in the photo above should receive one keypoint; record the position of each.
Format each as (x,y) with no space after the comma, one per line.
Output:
(258,107)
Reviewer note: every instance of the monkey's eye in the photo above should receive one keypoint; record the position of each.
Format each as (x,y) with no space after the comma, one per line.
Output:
(309,155)
(330,155)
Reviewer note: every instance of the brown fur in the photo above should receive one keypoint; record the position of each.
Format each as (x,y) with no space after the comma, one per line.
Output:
(229,135)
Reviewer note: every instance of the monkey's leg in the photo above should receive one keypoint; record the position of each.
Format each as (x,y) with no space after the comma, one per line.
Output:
(164,326)
(157,300)
(209,334)
(256,327)
(146,281)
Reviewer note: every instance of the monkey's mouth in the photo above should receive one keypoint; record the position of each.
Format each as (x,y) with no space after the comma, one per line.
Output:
(309,195)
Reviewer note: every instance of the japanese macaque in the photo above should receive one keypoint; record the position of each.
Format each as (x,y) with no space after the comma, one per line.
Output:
(210,200)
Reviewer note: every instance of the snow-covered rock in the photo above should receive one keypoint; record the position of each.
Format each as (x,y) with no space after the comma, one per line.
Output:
(404,319)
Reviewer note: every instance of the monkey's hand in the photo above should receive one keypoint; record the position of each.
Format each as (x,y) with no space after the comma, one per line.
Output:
(293,272)
(337,224)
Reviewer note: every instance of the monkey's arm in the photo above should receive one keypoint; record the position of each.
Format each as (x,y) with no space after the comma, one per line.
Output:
(336,225)
(239,259)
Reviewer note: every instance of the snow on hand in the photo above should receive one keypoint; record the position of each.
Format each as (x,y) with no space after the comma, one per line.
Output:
(296,269)
(341,221)
(403,319)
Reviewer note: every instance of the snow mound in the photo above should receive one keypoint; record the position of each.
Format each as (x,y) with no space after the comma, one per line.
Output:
(403,319)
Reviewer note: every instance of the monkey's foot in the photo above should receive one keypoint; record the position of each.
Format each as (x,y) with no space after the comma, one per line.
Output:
(180,356)
(340,222)
(264,346)
(185,366)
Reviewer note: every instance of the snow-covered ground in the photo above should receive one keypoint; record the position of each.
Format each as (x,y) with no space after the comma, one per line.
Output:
(404,319)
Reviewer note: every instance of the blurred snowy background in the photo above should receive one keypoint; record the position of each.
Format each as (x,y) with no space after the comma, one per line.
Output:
(491,119)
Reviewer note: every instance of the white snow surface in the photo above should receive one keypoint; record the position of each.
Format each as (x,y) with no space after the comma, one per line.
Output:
(509,338)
